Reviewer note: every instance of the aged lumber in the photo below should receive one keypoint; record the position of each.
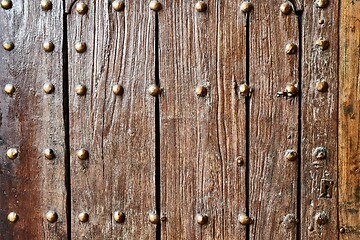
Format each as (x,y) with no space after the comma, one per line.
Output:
(203,140)
(319,113)
(31,121)
(349,110)
(117,130)
(274,110)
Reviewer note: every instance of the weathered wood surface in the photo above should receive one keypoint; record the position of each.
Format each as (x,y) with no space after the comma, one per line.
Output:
(32,121)
(118,131)
(202,138)
(273,123)
(349,110)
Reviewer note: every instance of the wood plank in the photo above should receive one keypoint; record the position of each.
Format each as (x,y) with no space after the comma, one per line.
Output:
(118,131)
(273,123)
(319,111)
(202,139)
(349,110)
(32,121)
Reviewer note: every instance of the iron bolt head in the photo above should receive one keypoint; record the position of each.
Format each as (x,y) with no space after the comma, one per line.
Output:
(119,217)
(51,216)
(9,89)
(322,3)
(154,90)
(201,6)
(201,219)
(48,88)
(118,89)
(13,217)
(291,90)
(118,5)
(81,8)
(154,218)
(12,153)
(245,90)
(82,154)
(244,219)
(8,46)
(6,4)
(49,153)
(83,217)
(246,7)
(291,155)
(201,91)
(155,6)
(321,218)
(286,8)
(342,230)
(322,44)
(80,90)
(322,86)
(80,47)
(48,46)
(291,48)
(46,5)
(320,153)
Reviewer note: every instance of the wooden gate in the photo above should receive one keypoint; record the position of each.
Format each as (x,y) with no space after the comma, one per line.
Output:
(174,119)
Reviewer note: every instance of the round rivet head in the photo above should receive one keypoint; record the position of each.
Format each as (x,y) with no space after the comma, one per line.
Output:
(48,88)
(81,8)
(246,7)
(6,4)
(291,48)
(244,219)
(8,46)
(322,44)
(201,6)
(118,5)
(321,218)
(12,153)
(82,154)
(245,90)
(154,218)
(119,217)
(342,230)
(80,47)
(80,90)
(201,219)
(118,89)
(291,155)
(9,89)
(51,216)
(286,8)
(154,90)
(83,217)
(201,91)
(322,3)
(155,6)
(49,153)
(46,5)
(13,217)
(48,46)
(322,86)
(291,90)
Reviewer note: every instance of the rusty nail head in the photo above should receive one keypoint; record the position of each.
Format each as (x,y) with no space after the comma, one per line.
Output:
(291,48)
(6,4)
(322,3)
(322,86)
(201,219)
(244,219)
(13,217)
(9,89)
(201,6)
(155,6)
(119,217)
(46,5)
(118,5)
(51,216)
(81,8)
(246,7)
(291,155)
(322,44)
(201,91)
(154,218)
(320,153)
(118,89)
(321,218)
(82,154)
(8,46)
(12,153)
(80,47)
(154,90)
(286,8)
(48,88)
(83,217)
(80,90)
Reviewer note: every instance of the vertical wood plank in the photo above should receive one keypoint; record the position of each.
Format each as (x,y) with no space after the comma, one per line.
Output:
(273,123)
(349,110)
(32,121)
(319,110)
(202,138)
(118,131)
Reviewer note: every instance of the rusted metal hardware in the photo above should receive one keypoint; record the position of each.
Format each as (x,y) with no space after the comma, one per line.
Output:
(8,45)
(80,47)
(244,219)
(48,46)
(291,48)
(155,6)
(201,6)
(82,154)
(291,155)
(46,5)
(246,7)
(80,90)
(48,88)
(322,3)
(12,153)
(154,90)
(286,8)
(290,91)
(49,154)
(326,187)
(322,86)
(83,217)
(6,4)
(51,216)
(321,218)
(245,90)
(201,91)
(81,8)
(13,217)
(118,89)
(320,153)
(154,218)
(201,219)
(322,44)
(119,217)
(9,89)
(118,5)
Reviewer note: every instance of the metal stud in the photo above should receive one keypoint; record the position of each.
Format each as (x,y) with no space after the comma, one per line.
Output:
(48,88)
(291,155)
(322,86)
(9,89)
(322,44)
(342,230)
(246,7)
(83,217)
(81,8)
(49,153)
(320,153)
(48,46)
(12,153)
(119,217)
(80,90)
(118,5)
(286,8)
(6,4)
(80,47)
(244,219)
(291,90)
(201,219)
(201,6)
(155,6)
(201,91)
(8,46)
(291,48)
(13,217)
(154,218)
(46,5)
(118,89)
(245,90)
(322,3)
(154,90)
(51,216)
(82,154)
(321,218)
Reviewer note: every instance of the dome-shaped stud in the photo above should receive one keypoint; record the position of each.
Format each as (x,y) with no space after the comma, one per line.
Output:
(48,88)
(80,47)
(286,8)
(291,48)
(82,154)
(51,216)
(201,219)
(244,219)
(155,5)
(6,4)
(201,6)
(322,44)
(119,217)
(244,89)
(321,218)
(83,217)
(118,89)
(342,230)
(291,155)
(80,90)
(154,218)
(246,7)
(320,153)
(154,90)
(13,217)
(8,46)
(118,5)
(9,89)
(49,153)
(81,8)
(46,5)
(201,91)
(48,46)
(322,86)
(12,153)
(291,90)
(322,3)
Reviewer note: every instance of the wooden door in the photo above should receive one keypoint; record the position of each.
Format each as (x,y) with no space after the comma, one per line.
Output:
(166,119)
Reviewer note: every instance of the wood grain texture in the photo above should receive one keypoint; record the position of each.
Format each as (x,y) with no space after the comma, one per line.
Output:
(273,123)
(31,121)
(349,110)
(319,112)
(118,131)
(202,138)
